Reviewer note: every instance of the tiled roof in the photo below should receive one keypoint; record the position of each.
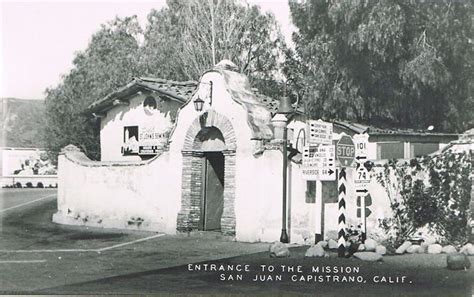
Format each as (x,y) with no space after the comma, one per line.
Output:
(178,91)
(371,130)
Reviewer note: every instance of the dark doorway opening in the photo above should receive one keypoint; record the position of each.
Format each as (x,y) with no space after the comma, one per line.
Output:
(212,197)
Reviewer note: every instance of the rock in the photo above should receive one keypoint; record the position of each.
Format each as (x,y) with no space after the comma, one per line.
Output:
(332,244)
(368,256)
(279,250)
(381,250)
(467,249)
(331,235)
(361,248)
(403,248)
(429,239)
(413,249)
(370,244)
(423,248)
(315,251)
(449,249)
(434,249)
(323,244)
(457,261)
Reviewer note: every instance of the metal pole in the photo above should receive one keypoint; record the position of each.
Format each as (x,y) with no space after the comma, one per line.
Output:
(362,215)
(284,235)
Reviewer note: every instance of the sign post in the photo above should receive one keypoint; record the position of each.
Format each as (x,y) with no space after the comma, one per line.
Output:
(362,180)
(345,155)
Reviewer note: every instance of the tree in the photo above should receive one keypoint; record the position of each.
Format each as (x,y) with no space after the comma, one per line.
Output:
(23,123)
(384,62)
(109,62)
(180,42)
(195,35)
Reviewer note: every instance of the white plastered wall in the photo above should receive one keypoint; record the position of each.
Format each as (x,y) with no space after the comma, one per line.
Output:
(133,114)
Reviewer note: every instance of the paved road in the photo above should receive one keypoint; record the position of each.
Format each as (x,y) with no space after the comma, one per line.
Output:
(39,257)
(14,198)
(36,254)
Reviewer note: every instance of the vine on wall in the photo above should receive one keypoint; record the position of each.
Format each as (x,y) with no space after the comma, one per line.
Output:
(433,192)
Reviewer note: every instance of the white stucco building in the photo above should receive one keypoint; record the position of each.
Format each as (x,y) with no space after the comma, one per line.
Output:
(169,168)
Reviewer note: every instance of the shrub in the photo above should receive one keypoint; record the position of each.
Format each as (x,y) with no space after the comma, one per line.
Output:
(433,191)
(39,185)
(29,185)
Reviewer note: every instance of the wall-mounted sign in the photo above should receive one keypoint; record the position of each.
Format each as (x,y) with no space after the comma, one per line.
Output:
(319,163)
(149,149)
(152,140)
(320,132)
(345,151)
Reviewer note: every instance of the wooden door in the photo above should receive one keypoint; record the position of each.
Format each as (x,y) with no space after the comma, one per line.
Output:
(212,201)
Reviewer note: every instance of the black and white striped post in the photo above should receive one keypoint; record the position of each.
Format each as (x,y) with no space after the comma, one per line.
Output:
(341,185)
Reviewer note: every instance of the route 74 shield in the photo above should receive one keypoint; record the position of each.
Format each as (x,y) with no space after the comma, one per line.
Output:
(362,176)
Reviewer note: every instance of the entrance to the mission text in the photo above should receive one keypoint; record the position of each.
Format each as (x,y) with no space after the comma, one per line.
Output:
(212,198)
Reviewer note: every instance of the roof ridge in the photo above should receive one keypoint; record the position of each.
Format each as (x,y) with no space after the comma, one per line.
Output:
(162,80)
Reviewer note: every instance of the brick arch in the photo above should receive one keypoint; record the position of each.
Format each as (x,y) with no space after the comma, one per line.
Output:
(191,186)
(210,119)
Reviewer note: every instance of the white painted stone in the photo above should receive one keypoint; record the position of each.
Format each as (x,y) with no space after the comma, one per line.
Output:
(279,250)
(332,244)
(423,248)
(323,244)
(467,249)
(381,250)
(361,247)
(434,248)
(413,249)
(370,244)
(403,248)
(315,251)
(449,249)
(368,256)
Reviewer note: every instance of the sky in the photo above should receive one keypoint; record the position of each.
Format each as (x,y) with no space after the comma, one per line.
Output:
(39,39)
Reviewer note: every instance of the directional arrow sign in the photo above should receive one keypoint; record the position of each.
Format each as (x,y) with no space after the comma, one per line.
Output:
(345,151)
(320,132)
(319,163)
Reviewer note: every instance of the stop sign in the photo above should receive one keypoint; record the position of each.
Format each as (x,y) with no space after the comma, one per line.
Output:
(345,151)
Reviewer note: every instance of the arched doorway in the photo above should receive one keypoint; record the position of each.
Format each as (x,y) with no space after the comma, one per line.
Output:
(208,178)
(211,142)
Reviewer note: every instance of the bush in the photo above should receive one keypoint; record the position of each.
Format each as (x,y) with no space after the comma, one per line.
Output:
(432,191)
(39,185)
(18,185)
(29,185)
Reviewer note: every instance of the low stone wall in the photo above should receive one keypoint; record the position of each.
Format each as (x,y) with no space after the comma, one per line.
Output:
(124,195)
(37,181)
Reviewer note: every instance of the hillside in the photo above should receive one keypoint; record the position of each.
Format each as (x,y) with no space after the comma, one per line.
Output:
(22,123)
